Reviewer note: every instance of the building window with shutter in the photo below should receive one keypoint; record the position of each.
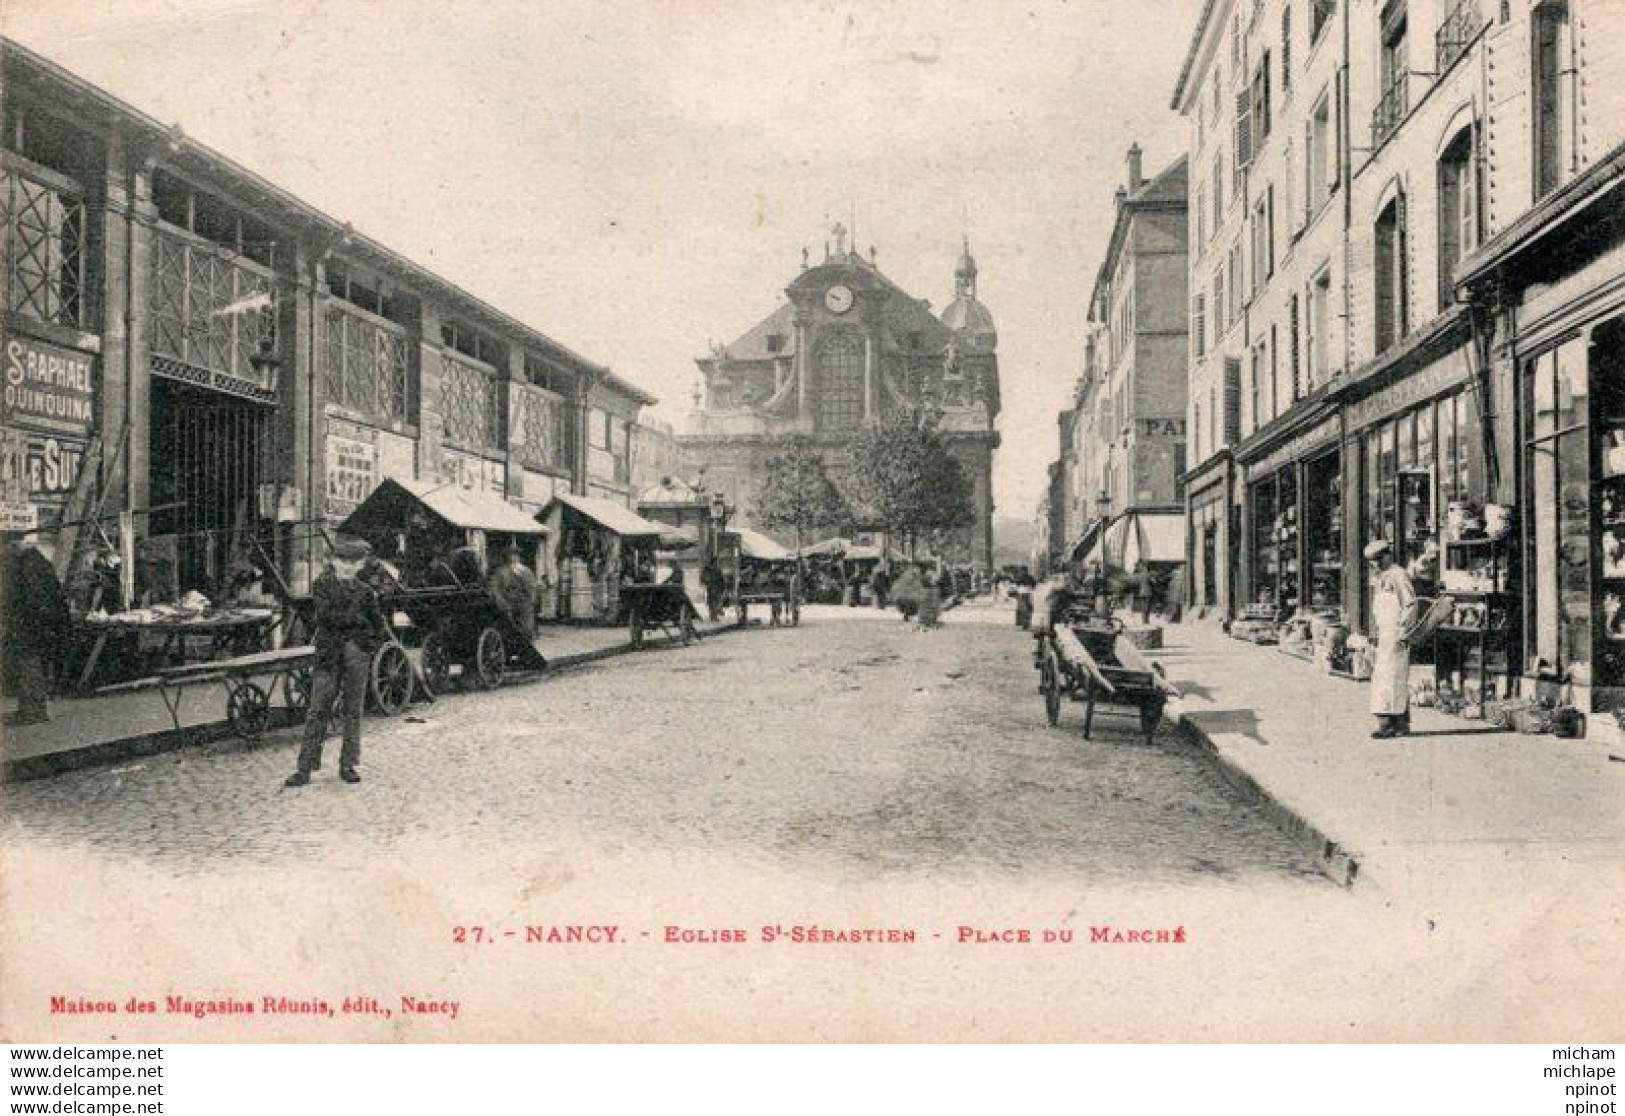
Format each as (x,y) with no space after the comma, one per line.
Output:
(1221,317)
(1286,48)
(1553,113)
(1294,348)
(1320,14)
(1319,163)
(1319,341)
(1391,309)
(1232,400)
(1458,211)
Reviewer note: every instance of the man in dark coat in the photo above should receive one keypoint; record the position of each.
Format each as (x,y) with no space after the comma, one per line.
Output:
(349,629)
(715,587)
(35,612)
(516,591)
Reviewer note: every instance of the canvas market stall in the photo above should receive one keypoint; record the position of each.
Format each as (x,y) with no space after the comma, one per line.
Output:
(428,530)
(766,575)
(597,547)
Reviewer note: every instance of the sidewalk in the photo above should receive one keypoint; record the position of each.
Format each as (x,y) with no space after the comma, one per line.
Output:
(84,732)
(1456,798)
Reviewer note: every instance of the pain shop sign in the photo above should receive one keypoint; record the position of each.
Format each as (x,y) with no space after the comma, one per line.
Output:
(47,388)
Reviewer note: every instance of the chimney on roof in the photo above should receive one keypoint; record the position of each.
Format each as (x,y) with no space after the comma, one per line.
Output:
(1136,179)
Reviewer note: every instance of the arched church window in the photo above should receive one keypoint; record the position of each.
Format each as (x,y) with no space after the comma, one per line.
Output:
(840,383)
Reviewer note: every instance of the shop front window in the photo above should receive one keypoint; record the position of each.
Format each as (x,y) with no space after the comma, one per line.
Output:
(1266,557)
(1607,374)
(1557,404)
(1323,530)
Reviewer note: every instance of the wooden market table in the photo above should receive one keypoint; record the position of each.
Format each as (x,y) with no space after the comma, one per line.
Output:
(227,629)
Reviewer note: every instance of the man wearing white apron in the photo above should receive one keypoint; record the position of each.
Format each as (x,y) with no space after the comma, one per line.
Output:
(1393,610)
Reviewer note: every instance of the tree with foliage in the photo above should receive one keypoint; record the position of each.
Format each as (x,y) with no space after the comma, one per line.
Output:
(797,492)
(908,480)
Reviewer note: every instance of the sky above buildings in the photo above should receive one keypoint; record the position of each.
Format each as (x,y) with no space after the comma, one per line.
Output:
(639,179)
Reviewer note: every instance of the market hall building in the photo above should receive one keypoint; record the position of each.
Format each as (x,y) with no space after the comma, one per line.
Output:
(845,348)
(187,343)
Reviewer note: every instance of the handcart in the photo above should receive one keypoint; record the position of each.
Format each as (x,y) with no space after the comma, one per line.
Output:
(462,636)
(783,605)
(664,607)
(1088,659)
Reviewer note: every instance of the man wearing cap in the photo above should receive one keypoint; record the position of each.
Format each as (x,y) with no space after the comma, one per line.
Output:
(1393,610)
(34,611)
(515,590)
(349,628)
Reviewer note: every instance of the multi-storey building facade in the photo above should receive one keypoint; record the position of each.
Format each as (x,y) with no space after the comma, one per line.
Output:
(1263,92)
(193,346)
(1123,443)
(846,347)
(1397,351)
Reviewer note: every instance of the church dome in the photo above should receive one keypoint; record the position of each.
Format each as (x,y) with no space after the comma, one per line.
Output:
(965,315)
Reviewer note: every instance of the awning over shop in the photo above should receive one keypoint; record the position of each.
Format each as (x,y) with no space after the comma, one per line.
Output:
(1084,543)
(613,517)
(391,504)
(754,544)
(1153,537)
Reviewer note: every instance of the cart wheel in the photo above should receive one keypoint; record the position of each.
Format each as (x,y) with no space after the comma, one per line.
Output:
(1049,683)
(391,689)
(635,629)
(296,687)
(490,660)
(248,710)
(436,664)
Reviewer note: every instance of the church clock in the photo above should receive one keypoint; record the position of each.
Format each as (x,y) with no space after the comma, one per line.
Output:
(838,299)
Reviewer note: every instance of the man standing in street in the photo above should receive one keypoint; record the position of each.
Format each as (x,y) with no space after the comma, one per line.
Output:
(349,628)
(35,613)
(711,580)
(515,590)
(1393,609)
(1142,591)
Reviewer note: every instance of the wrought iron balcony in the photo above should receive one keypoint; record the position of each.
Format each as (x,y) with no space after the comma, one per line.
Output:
(1458,30)
(44,216)
(1391,109)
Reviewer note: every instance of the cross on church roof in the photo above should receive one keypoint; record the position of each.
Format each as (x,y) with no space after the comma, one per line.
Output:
(840,238)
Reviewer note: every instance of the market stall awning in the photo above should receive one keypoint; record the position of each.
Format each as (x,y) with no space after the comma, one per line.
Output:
(1153,537)
(754,544)
(828,546)
(679,538)
(389,504)
(613,517)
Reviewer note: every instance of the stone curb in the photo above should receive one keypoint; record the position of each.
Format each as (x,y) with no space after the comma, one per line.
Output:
(106,752)
(1329,855)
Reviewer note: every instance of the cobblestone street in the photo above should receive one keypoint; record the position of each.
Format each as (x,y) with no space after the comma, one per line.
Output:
(853,744)
(852,775)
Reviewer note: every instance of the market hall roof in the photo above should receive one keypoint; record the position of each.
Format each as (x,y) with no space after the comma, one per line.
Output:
(609,515)
(385,510)
(185,153)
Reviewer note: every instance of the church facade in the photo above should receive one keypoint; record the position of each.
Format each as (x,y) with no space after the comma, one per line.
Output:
(848,346)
